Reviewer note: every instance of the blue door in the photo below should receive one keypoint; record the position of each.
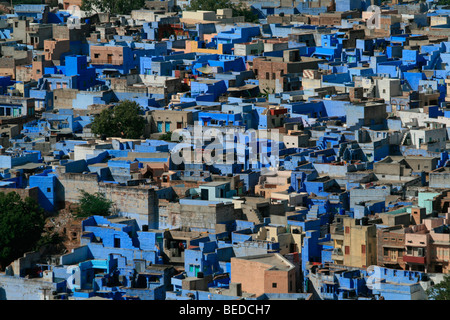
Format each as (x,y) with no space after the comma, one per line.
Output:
(159,126)
(167,127)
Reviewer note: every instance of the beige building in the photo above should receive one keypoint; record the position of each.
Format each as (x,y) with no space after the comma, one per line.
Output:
(221,16)
(387,88)
(200,15)
(62,98)
(170,120)
(289,241)
(276,182)
(296,139)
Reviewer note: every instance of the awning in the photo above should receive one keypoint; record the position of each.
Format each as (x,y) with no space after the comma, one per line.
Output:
(207,69)
(29,166)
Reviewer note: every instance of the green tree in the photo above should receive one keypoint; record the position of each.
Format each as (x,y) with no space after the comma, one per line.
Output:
(21,226)
(243,10)
(440,291)
(209,5)
(212,5)
(124,121)
(112,6)
(93,204)
(265,93)
(166,136)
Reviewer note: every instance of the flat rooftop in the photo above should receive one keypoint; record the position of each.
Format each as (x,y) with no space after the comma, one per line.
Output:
(275,261)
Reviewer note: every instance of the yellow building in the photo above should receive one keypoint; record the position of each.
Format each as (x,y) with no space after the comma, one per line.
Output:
(337,237)
(360,243)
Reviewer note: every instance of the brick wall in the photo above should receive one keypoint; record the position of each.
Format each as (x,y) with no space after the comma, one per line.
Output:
(252,282)
(256,277)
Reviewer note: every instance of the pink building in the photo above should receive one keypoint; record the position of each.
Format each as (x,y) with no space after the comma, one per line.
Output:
(428,246)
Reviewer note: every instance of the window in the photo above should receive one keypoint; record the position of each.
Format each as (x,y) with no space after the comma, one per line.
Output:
(421,252)
(347,229)
(49,189)
(96,55)
(394,255)
(347,250)
(363,249)
(274,285)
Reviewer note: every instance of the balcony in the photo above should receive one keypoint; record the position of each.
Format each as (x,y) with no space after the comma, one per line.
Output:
(337,257)
(412,259)
(114,62)
(337,236)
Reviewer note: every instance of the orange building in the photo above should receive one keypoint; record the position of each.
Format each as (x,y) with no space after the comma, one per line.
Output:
(268,273)
(53,48)
(107,55)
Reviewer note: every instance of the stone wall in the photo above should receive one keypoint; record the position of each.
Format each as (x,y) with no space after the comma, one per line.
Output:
(136,202)
(23,193)
(72,183)
(202,217)
(15,288)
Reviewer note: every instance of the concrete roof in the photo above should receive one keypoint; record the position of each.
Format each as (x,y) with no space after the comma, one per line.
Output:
(274,261)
